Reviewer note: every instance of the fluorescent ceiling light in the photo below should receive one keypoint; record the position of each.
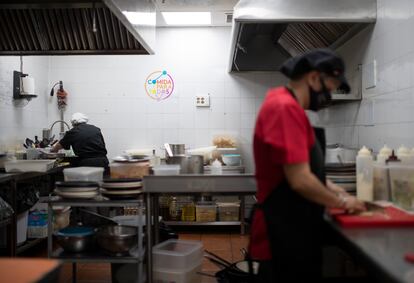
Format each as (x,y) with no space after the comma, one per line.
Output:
(141,18)
(187,18)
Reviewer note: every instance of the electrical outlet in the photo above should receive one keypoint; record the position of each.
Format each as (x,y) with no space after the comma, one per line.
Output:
(203,100)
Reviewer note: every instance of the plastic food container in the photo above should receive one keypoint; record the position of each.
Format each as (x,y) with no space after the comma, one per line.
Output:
(173,169)
(206,212)
(37,224)
(121,170)
(61,218)
(402,186)
(231,159)
(86,174)
(29,165)
(188,275)
(177,255)
(228,211)
(382,189)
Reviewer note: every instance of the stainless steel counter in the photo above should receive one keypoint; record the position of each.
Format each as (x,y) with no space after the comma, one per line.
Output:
(194,183)
(380,251)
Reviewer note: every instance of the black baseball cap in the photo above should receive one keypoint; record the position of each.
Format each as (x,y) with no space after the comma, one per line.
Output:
(322,60)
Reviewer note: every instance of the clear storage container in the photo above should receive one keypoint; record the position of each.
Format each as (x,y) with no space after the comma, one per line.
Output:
(402,186)
(177,255)
(189,275)
(206,212)
(173,169)
(129,169)
(86,174)
(29,165)
(228,211)
(382,190)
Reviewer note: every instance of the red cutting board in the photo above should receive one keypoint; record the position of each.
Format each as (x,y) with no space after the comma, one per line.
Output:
(392,217)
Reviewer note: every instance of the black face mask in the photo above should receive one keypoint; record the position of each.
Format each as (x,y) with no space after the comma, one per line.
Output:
(319,99)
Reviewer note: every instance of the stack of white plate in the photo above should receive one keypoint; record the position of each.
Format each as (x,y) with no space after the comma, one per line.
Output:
(121,188)
(77,189)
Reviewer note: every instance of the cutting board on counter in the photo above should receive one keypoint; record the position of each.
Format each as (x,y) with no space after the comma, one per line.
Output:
(390,217)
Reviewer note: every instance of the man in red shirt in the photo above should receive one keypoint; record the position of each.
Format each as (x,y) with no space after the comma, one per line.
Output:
(286,233)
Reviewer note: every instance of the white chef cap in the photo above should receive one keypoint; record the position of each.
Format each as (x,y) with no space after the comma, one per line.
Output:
(79,118)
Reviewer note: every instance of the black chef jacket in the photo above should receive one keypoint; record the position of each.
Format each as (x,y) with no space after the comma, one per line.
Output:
(86,140)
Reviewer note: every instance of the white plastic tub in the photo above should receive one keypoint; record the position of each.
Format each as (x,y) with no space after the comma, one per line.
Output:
(232,159)
(177,255)
(402,186)
(29,165)
(173,169)
(86,174)
(189,275)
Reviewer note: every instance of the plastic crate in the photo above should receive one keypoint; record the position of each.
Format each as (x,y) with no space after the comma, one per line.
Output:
(206,212)
(129,169)
(228,211)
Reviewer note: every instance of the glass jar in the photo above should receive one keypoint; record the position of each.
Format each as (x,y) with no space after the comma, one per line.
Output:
(188,210)
(175,210)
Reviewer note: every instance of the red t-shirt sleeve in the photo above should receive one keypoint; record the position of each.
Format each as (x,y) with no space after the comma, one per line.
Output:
(286,130)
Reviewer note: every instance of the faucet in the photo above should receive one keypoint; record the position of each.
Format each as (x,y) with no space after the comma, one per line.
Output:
(61,129)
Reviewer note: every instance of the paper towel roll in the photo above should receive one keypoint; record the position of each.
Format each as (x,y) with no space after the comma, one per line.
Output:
(28,85)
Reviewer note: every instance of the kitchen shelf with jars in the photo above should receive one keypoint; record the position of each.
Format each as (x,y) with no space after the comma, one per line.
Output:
(103,220)
(187,211)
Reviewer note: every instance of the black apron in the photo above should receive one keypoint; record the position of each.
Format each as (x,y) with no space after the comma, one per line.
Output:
(295,226)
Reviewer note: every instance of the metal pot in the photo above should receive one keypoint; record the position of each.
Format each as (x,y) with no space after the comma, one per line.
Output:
(117,239)
(177,150)
(76,239)
(195,164)
(339,154)
(189,164)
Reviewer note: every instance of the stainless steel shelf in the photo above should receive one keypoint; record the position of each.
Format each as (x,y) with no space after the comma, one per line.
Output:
(195,223)
(96,256)
(97,202)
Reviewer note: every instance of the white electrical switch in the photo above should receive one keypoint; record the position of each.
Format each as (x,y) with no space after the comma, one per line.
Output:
(203,100)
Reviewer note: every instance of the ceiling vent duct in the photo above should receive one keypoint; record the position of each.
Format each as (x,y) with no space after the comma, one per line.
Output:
(267,32)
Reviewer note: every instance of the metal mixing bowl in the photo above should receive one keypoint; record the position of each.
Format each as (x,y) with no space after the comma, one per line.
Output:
(76,239)
(118,239)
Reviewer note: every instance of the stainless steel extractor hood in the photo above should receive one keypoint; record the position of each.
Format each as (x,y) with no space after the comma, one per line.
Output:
(267,32)
(76,27)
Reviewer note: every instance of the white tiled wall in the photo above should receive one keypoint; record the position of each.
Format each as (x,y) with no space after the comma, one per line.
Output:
(20,119)
(385,114)
(110,89)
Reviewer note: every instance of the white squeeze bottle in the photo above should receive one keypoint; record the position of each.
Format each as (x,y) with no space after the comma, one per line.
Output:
(216,168)
(404,155)
(384,153)
(364,171)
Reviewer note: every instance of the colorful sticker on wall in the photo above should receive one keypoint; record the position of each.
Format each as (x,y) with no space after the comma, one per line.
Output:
(159,85)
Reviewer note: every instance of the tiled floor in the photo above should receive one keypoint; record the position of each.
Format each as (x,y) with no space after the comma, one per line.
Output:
(225,245)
